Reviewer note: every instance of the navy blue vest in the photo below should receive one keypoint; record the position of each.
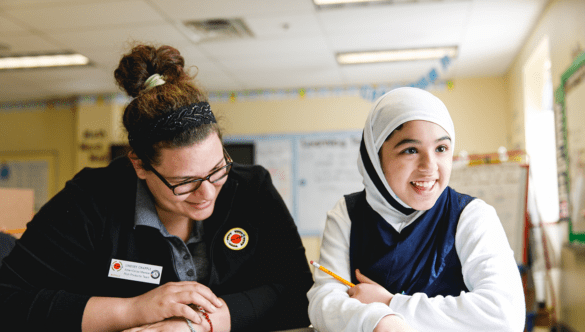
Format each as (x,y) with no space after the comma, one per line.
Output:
(422,258)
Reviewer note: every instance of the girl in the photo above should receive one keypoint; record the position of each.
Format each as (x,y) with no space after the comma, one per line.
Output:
(423,256)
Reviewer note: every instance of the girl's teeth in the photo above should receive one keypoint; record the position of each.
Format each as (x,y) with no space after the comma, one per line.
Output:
(424,184)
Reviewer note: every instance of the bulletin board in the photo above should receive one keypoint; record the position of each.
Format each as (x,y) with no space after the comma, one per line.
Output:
(311,171)
(503,185)
(35,170)
(569,112)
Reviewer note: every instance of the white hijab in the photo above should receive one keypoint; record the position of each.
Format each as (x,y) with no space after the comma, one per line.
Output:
(390,111)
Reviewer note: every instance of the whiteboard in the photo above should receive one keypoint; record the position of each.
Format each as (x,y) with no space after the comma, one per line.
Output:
(327,170)
(310,171)
(504,187)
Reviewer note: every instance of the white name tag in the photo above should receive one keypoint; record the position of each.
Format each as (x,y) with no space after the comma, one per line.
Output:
(135,271)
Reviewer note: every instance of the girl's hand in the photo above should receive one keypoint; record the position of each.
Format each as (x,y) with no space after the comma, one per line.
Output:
(368,291)
(172,300)
(392,323)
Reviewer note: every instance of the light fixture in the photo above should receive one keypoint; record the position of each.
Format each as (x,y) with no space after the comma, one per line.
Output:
(396,55)
(342,2)
(42,60)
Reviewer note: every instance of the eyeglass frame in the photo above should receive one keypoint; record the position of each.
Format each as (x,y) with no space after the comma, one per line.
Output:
(228,163)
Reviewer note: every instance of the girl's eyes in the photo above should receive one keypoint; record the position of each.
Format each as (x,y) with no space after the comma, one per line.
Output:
(442,148)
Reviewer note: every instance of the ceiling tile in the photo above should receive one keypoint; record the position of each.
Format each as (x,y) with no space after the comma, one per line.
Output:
(265,47)
(8,26)
(294,44)
(191,10)
(120,39)
(19,44)
(68,16)
(284,26)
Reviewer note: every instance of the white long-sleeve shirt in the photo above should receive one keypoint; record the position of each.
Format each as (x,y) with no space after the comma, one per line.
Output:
(495,301)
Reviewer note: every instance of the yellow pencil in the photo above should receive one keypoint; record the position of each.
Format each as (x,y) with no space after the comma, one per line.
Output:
(345,282)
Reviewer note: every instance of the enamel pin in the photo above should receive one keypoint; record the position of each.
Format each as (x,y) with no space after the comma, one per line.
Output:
(236,239)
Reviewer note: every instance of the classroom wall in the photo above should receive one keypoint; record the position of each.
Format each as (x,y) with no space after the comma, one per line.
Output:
(478,106)
(40,130)
(562,24)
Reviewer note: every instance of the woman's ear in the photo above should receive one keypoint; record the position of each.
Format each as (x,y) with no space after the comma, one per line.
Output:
(137,164)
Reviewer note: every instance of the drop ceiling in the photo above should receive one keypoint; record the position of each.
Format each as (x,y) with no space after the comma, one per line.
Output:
(293,43)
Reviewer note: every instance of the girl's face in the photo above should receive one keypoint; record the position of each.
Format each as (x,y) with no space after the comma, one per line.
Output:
(417,161)
(181,164)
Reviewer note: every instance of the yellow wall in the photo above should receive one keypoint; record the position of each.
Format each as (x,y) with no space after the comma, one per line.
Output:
(41,131)
(478,106)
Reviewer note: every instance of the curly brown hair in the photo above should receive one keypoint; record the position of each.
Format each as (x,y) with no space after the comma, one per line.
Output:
(179,90)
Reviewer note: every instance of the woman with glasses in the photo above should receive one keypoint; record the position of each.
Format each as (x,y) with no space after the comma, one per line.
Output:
(174,237)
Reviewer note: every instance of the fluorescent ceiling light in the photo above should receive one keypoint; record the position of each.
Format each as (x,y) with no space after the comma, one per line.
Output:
(40,61)
(340,2)
(396,55)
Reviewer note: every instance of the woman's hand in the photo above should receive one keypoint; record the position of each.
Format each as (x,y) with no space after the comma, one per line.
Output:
(368,291)
(175,324)
(172,300)
(167,301)
(220,319)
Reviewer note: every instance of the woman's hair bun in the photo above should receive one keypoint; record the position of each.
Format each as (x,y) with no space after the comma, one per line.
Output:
(146,60)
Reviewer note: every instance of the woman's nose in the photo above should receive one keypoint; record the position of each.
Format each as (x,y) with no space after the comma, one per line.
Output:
(206,190)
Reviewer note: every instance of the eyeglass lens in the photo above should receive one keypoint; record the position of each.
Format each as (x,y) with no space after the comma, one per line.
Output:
(213,178)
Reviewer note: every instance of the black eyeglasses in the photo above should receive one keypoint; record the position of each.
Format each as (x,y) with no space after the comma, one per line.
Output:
(190,186)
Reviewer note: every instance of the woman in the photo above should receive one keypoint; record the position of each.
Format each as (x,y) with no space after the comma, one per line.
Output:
(176,237)
(423,256)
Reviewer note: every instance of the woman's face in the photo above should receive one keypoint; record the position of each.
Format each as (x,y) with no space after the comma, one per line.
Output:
(181,164)
(417,161)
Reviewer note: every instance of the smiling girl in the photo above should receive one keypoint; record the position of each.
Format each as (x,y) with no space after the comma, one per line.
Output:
(423,256)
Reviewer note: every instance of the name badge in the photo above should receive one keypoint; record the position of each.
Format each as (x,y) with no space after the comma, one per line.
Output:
(135,271)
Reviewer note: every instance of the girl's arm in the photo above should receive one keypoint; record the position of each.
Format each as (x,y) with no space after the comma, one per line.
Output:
(495,301)
(330,307)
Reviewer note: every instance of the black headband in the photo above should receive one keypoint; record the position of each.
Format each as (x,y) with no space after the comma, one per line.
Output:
(174,122)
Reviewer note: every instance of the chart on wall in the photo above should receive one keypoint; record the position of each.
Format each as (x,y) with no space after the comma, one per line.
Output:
(276,156)
(310,171)
(503,186)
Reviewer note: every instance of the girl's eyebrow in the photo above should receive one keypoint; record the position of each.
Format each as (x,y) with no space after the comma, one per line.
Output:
(178,178)
(414,141)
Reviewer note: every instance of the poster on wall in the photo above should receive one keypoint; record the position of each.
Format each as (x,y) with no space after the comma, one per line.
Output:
(32,174)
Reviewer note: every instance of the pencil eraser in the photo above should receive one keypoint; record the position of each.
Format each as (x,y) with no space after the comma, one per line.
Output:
(311,262)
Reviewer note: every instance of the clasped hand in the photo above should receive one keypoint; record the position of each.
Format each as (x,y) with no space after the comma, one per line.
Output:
(369,291)
(172,299)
